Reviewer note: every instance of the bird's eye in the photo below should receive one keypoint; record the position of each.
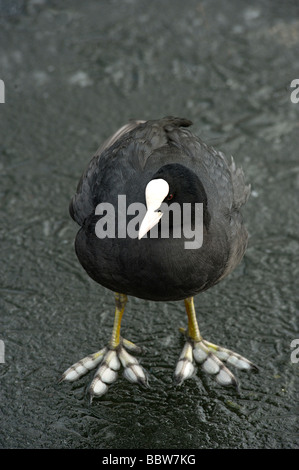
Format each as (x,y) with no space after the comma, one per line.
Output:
(169,197)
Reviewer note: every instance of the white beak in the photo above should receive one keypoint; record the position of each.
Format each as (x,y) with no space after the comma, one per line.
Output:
(155,193)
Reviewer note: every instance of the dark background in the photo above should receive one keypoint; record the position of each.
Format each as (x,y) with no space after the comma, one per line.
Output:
(74,72)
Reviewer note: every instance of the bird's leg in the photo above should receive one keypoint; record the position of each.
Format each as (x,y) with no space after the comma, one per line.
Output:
(110,358)
(208,355)
(120,304)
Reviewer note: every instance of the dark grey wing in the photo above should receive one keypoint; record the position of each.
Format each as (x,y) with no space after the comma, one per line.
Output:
(82,203)
(224,183)
(118,135)
(241,190)
(131,146)
(237,232)
(233,194)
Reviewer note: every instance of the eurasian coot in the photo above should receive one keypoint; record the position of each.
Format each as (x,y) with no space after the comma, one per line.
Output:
(158,165)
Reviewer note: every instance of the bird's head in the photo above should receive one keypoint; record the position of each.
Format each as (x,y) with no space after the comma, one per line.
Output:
(172,183)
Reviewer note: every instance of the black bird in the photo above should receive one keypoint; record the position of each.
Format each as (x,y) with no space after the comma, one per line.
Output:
(159,170)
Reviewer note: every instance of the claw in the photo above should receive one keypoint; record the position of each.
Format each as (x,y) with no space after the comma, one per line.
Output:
(110,361)
(209,356)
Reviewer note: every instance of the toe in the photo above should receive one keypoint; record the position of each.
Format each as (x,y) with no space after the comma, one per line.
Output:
(80,368)
(131,346)
(106,374)
(226,378)
(210,357)
(184,368)
(97,388)
(132,369)
(230,357)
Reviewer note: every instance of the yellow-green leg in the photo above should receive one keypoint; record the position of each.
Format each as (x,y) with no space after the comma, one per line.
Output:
(110,358)
(120,304)
(208,355)
(193,330)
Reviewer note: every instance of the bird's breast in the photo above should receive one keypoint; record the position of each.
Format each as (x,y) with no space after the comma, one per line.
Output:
(153,267)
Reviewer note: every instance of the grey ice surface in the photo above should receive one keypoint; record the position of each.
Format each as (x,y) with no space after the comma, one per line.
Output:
(74,72)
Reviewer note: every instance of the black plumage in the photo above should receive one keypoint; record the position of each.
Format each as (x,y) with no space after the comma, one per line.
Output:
(160,269)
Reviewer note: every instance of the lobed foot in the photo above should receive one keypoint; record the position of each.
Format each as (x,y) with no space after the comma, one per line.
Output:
(109,361)
(210,357)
